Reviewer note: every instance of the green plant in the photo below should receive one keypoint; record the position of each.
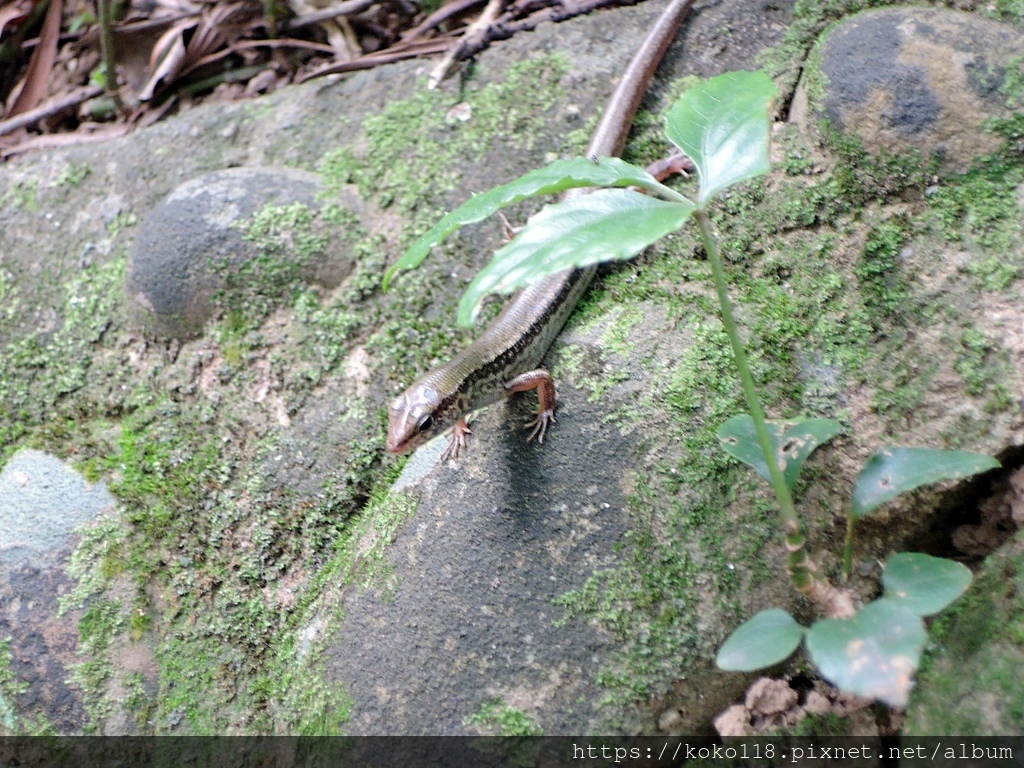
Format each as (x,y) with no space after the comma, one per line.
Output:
(875,650)
(723,126)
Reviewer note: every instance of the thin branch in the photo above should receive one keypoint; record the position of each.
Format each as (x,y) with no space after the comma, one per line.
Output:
(387,56)
(349,8)
(476,31)
(438,17)
(52,107)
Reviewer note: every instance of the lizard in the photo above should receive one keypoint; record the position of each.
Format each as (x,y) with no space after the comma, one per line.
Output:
(504,359)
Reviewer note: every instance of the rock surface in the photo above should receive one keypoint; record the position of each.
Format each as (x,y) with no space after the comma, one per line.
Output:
(262,575)
(975,654)
(924,79)
(194,241)
(42,502)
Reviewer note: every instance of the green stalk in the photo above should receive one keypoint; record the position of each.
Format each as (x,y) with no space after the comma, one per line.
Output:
(848,550)
(107,47)
(800,568)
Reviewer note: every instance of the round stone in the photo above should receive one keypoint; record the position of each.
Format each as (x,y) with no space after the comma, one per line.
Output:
(196,237)
(909,78)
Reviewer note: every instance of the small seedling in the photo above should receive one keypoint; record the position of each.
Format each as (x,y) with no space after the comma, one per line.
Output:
(874,651)
(723,125)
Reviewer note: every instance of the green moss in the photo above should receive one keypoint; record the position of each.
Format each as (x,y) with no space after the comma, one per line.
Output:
(797,159)
(121,221)
(413,144)
(38,369)
(985,368)
(95,561)
(820,725)
(10,303)
(880,277)
(361,558)
(979,207)
(164,474)
(293,685)
(973,657)
(905,388)
(22,195)
(1013,81)
(499,719)
(1007,10)
(197,685)
(101,622)
(288,238)
(73,175)
(861,177)
(11,688)
(279,230)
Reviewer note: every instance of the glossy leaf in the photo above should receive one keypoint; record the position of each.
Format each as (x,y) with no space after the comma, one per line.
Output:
(556,177)
(897,470)
(793,442)
(924,583)
(723,124)
(872,654)
(607,224)
(766,639)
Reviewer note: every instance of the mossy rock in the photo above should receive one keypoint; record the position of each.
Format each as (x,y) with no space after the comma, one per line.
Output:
(971,678)
(220,238)
(909,79)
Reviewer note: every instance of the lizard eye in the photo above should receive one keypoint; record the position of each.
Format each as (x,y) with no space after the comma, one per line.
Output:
(425,423)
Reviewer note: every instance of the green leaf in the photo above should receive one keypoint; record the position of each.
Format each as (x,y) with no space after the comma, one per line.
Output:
(723,125)
(607,224)
(792,441)
(897,470)
(924,583)
(873,654)
(766,639)
(556,177)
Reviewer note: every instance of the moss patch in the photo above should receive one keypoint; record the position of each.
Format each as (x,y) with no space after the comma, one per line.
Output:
(973,657)
(499,719)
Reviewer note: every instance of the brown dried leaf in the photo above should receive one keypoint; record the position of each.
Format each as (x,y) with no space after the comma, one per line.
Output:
(168,57)
(14,12)
(217,26)
(33,87)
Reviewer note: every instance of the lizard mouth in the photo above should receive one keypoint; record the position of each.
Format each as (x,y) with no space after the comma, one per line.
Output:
(399,446)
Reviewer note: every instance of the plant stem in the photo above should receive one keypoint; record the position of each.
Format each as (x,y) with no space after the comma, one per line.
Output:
(848,550)
(107,47)
(800,568)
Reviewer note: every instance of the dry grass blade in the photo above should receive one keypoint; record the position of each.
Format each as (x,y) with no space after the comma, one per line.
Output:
(438,17)
(387,56)
(284,42)
(40,66)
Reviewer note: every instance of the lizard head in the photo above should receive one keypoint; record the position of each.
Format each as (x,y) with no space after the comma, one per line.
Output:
(413,420)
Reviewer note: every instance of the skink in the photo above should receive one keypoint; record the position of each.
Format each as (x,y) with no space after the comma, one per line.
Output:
(504,359)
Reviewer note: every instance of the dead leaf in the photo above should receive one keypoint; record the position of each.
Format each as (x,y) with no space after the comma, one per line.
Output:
(186,44)
(167,57)
(40,66)
(14,12)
